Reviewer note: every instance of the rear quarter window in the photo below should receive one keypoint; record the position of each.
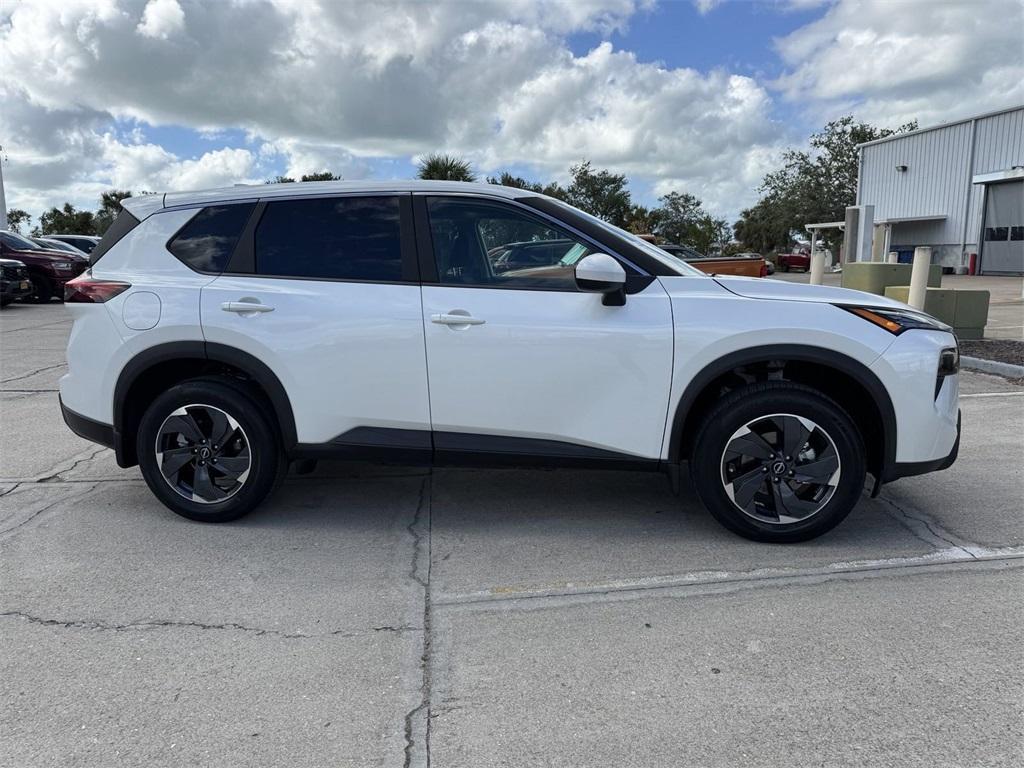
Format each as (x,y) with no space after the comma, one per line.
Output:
(206,243)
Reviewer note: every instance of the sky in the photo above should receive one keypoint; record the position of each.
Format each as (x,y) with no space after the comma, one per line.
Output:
(697,96)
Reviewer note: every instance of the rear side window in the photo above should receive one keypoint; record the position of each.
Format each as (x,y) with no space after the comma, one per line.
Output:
(121,226)
(339,238)
(206,243)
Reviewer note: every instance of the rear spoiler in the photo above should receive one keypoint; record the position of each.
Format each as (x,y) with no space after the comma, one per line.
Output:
(142,206)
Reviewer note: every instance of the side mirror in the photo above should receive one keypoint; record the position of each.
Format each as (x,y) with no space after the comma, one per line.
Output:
(600,273)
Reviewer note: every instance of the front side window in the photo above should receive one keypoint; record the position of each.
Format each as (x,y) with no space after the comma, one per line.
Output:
(332,238)
(491,244)
(206,243)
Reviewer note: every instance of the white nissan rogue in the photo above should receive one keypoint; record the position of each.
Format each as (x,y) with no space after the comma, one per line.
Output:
(220,335)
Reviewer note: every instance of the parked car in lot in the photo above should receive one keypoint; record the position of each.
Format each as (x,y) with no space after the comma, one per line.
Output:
(48,270)
(797,260)
(221,334)
(14,281)
(84,243)
(746,265)
(57,245)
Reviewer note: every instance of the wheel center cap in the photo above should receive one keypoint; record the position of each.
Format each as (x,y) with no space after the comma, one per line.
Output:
(204,453)
(779,467)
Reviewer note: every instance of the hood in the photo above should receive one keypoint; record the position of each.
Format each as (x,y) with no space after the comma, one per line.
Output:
(42,253)
(12,263)
(780,290)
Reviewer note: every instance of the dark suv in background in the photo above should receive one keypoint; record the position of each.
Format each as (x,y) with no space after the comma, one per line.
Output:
(14,282)
(47,270)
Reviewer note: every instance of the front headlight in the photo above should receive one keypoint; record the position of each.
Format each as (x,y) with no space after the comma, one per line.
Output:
(63,266)
(896,321)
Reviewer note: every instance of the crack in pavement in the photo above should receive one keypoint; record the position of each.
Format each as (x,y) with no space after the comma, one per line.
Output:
(927,529)
(32,373)
(417,720)
(53,475)
(48,507)
(169,623)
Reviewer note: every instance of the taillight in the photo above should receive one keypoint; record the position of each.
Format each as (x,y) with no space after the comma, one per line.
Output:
(86,289)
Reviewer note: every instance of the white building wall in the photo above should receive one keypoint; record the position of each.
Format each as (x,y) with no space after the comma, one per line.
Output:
(937,182)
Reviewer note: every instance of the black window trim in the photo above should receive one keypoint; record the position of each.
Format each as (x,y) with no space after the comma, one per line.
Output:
(243,261)
(105,244)
(636,281)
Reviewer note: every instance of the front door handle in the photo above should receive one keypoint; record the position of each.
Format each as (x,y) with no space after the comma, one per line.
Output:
(245,307)
(456,317)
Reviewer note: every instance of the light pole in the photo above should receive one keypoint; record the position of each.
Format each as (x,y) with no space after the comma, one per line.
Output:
(3,197)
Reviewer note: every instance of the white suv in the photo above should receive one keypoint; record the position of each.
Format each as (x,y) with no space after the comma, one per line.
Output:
(220,335)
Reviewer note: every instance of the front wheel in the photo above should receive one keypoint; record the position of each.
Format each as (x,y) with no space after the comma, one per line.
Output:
(778,462)
(42,290)
(207,451)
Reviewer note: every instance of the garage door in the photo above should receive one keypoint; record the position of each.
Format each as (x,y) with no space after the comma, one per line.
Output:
(1003,250)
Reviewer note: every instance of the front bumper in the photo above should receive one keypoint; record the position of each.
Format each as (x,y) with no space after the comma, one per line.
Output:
(910,468)
(15,289)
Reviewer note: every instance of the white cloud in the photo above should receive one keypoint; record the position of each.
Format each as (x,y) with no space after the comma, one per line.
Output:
(161,19)
(338,86)
(706,6)
(890,62)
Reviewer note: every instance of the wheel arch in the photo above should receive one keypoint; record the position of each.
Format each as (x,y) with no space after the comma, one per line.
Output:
(155,369)
(858,390)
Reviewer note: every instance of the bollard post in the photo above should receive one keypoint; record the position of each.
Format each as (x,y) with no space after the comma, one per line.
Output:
(894,258)
(817,266)
(919,277)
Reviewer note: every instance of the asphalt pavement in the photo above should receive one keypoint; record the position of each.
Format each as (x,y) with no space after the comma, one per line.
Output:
(392,616)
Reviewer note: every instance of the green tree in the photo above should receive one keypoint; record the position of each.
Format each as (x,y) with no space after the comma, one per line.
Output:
(813,185)
(551,189)
(110,206)
(67,220)
(280,180)
(320,176)
(678,217)
(600,193)
(440,167)
(644,221)
(709,233)
(16,217)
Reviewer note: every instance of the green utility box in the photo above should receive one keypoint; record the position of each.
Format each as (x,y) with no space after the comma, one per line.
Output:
(875,277)
(965,310)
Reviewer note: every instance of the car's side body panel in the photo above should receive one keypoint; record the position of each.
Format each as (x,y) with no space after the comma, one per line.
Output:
(349,354)
(552,365)
(712,323)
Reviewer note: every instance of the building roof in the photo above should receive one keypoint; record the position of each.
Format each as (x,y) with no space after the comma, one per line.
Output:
(144,205)
(937,126)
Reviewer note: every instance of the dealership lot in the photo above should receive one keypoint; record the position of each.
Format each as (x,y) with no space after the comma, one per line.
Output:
(390,615)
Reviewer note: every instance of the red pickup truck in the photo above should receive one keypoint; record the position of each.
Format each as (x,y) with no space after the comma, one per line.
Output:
(790,261)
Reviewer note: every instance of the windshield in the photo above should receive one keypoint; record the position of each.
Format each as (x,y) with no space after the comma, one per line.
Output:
(17,242)
(672,263)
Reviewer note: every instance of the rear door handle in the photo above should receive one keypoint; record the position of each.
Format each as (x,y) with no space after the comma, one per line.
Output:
(456,317)
(245,307)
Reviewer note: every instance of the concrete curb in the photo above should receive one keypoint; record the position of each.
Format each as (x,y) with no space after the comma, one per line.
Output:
(992,366)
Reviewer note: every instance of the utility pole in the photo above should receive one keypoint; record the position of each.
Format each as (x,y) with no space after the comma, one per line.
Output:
(3,197)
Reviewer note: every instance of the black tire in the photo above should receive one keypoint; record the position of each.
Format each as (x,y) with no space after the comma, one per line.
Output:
(715,457)
(785,267)
(4,303)
(42,289)
(262,448)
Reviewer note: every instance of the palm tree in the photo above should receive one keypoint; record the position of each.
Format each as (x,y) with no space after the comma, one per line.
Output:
(445,168)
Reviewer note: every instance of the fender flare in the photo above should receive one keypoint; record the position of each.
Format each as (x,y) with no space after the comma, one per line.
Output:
(798,352)
(216,353)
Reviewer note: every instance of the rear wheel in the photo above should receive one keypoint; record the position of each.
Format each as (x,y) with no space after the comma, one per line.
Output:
(778,462)
(207,451)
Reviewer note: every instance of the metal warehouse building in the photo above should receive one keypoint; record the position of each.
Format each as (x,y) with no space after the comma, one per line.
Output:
(957,187)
